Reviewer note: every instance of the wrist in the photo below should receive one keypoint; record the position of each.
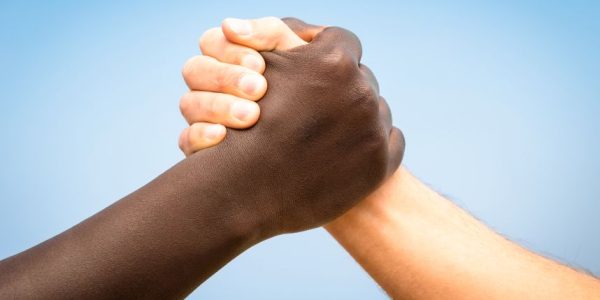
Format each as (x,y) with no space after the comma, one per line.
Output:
(201,186)
(396,195)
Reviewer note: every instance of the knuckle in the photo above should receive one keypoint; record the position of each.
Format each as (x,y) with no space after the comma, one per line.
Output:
(240,54)
(208,37)
(185,103)
(289,20)
(401,140)
(340,60)
(222,78)
(273,22)
(184,141)
(210,108)
(205,108)
(378,148)
(228,77)
(367,99)
(375,154)
(181,142)
(190,66)
(272,28)
(367,92)
(375,137)
(196,131)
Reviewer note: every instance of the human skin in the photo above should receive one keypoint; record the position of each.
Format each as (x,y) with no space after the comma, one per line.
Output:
(227,98)
(286,174)
(418,245)
(415,243)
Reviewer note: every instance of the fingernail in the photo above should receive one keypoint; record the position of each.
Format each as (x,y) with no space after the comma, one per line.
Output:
(214,131)
(252,62)
(241,110)
(250,83)
(240,27)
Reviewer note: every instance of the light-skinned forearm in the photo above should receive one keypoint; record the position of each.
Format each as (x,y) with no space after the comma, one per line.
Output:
(418,245)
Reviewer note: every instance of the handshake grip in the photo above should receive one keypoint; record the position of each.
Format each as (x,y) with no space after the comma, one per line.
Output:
(325,140)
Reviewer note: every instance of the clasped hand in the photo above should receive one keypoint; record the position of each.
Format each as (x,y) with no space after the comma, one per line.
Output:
(325,138)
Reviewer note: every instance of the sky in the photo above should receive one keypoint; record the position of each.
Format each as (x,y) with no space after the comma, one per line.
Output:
(499,102)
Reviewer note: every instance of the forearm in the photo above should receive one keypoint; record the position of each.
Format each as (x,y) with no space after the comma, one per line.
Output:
(159,242)
(418,245)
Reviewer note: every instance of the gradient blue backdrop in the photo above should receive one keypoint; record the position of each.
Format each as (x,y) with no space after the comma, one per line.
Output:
(499,102)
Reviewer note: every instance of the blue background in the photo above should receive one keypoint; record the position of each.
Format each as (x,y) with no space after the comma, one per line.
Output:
(499,101)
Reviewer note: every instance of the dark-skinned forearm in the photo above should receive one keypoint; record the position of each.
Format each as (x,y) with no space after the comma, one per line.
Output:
(159,242)
(325,141)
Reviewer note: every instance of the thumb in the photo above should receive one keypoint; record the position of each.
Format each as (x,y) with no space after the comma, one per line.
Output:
(304,30)
(264,34)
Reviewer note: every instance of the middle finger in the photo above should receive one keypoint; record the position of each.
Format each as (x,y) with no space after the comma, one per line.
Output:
(204,73)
